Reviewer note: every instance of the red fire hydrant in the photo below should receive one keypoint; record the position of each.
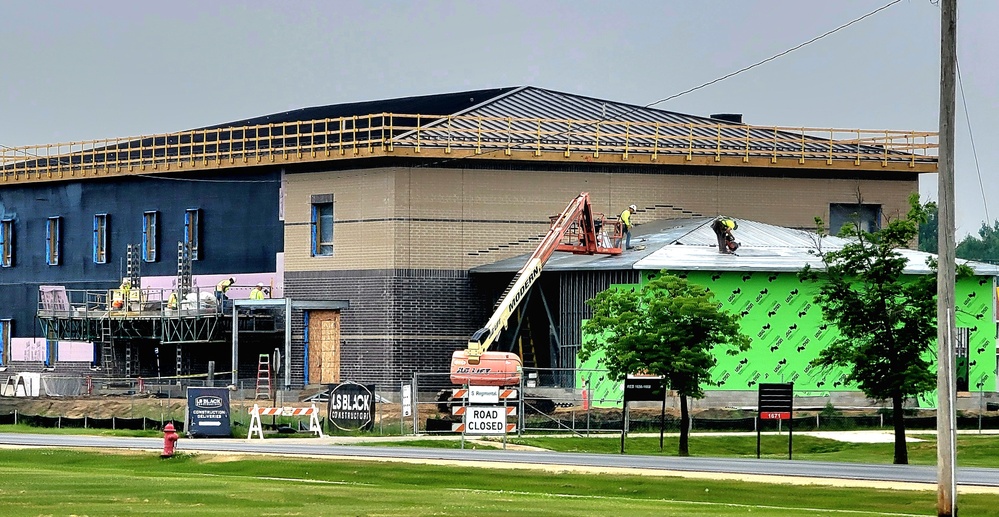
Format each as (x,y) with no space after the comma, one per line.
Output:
(170,437)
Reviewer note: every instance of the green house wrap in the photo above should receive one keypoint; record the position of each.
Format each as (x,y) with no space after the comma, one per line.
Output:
(778,313)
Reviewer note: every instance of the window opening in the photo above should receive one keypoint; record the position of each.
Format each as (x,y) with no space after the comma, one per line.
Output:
(101,239)
(149,236)
(7,243)
(52,241)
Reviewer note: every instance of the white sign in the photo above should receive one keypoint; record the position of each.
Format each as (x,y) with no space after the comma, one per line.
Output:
(483,394)
(407,400)
(485,420)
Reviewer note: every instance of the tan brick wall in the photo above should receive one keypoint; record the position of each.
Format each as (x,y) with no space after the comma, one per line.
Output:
(363,231)
(449,218)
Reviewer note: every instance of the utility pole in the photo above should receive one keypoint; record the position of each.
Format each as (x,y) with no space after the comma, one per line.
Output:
(946,479)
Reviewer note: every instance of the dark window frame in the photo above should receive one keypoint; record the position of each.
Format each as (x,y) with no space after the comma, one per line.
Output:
(322,222)
(7,243)
(53,240)
(100,238)
(192,232)
(150,235)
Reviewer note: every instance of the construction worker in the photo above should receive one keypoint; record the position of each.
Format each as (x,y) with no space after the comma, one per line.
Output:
(723,227)
(626,226)
(221,288)
(258,292)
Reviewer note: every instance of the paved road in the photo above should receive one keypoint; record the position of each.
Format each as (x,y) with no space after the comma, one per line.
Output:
(982,477)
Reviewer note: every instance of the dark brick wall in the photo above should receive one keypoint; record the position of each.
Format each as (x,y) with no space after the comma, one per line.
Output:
(400,321)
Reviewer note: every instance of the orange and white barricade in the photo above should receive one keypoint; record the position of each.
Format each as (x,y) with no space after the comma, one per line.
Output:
(256,412)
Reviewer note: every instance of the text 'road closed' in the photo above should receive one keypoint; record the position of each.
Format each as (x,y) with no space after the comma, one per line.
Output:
(485,420)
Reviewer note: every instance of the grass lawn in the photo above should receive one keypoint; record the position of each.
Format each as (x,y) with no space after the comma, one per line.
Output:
(75,482)
(972,450)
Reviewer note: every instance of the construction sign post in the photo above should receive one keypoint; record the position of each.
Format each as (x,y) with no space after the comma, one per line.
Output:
(208,413)
(484,420)
(776,402)
(351,406)
(648,389)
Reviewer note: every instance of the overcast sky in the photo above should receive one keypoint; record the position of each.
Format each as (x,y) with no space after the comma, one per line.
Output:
(73,70)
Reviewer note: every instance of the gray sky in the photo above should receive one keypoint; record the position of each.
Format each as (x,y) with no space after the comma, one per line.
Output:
(73,70)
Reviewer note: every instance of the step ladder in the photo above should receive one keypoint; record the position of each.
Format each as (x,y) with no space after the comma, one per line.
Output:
(263,378)
(107,348)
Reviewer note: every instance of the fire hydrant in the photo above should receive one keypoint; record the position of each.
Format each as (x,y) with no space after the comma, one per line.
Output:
(170,437)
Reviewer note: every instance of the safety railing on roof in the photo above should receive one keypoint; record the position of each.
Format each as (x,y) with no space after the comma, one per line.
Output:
(469,136)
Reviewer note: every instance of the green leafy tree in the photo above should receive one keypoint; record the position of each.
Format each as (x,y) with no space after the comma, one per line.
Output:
(887,322)
(983,249)
(928,231)
(669,328)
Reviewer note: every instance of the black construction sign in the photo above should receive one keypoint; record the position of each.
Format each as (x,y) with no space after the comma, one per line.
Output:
(351,406)
(643,389)
(208,412)
(776,402)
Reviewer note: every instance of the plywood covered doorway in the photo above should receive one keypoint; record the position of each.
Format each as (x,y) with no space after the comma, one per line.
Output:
(324,346)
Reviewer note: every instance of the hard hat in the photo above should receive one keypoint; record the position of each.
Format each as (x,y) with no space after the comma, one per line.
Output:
(633,207)
(260,284)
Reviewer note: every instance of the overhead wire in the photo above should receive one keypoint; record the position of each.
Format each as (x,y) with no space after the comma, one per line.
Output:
(604,118)
(974,151)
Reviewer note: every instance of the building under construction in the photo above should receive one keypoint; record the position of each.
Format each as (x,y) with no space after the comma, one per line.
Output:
(383,207)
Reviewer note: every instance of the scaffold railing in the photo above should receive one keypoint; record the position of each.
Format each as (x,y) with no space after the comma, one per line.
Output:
(430,136)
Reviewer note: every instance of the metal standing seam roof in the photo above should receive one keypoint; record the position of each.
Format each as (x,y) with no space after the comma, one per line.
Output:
(691,245)
(553,108)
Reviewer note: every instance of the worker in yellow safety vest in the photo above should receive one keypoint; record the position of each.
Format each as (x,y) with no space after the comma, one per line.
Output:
(221,288)
(258,292)
(723,227)
(626,226)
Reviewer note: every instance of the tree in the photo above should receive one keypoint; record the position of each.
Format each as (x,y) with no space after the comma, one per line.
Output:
(887,322)
(668,328)
(985,249)
(928,231)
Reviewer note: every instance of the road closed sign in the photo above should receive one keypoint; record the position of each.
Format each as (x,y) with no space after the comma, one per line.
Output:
(485,420)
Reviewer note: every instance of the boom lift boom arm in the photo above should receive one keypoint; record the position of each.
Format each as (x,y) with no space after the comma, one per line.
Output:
(577,219)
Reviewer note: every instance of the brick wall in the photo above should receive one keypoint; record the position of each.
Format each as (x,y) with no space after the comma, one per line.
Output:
(405,237)
(399,320)
(435,218)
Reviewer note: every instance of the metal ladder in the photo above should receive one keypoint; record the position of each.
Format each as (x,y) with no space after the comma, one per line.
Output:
(263,378)
(183,269)
(107,348)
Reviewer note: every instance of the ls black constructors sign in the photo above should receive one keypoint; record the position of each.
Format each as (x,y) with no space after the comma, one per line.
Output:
(351,406)
(208,412)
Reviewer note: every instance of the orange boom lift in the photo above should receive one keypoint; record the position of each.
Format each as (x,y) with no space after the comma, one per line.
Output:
(577,230)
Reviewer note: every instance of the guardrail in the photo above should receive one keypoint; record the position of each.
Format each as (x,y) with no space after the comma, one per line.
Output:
(474,136)
(115,303)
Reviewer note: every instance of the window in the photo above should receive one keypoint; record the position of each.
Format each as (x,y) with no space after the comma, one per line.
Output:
(52,241)
(5,342)
(101,239)
(868,217)
(322,225)
(192,232)
(962,368)
(149,236)
(7,243)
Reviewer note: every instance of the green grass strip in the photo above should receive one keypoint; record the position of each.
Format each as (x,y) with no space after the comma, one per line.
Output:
(82,482)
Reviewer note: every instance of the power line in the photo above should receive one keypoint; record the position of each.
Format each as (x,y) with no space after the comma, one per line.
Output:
(776,56)
(704,85)
(651,104)
(974,151)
